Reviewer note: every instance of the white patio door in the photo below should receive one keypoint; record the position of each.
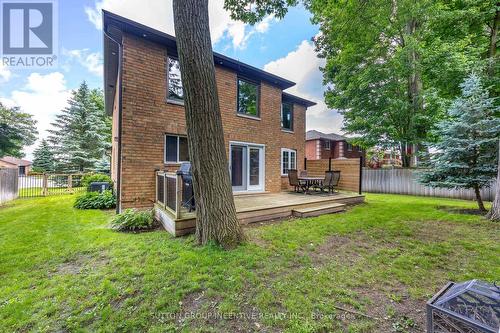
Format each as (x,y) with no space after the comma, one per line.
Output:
(247,167)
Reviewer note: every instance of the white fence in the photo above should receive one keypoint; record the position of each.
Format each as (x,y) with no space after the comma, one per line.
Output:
(404,181)
(8,184)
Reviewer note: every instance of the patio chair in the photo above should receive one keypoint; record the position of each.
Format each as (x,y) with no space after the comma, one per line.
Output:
(294,181)
(330,182)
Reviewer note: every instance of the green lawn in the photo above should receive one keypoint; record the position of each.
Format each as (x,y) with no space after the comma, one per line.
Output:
(63,270)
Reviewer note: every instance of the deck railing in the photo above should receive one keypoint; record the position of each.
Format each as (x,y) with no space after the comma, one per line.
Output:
(169,192)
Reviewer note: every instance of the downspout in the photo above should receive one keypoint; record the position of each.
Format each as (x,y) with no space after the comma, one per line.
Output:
(119,153)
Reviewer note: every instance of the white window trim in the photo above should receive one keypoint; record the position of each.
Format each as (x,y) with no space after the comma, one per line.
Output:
(288,150)
(170,100)
(165,149)
(262,165)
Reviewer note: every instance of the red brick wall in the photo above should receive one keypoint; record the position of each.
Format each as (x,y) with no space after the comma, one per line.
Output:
(354,153)
(147,117)
(333,152)
(311,149)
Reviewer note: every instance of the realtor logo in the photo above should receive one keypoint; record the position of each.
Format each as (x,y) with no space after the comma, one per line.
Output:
(28,33)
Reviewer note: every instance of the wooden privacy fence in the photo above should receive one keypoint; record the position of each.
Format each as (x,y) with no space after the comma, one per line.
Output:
(8,184)
(404,181)
(37,185)
(350,171)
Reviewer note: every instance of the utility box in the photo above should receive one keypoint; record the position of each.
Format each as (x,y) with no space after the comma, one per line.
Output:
(467,307)
(99,186)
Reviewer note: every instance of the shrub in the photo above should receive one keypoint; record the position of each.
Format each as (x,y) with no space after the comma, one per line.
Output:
(96,200)
(94,177)
(133,220)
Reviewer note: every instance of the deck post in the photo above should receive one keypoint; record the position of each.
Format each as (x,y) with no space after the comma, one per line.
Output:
(329,164)
(178,196)
(360,174)
(45,190)
(70,183)
(305,163)
(164,190)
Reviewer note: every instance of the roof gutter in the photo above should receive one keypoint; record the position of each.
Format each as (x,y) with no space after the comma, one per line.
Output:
(119,152)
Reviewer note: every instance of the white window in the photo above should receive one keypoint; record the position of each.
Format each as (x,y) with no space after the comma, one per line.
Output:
(176,149)
(349,147)
(326,144)
(288,160)
(174,81)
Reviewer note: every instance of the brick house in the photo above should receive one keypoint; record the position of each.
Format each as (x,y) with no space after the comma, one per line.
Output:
(264,127)
(323,146)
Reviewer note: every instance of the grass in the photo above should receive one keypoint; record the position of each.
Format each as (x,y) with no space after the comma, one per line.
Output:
(37,191)
(63,269)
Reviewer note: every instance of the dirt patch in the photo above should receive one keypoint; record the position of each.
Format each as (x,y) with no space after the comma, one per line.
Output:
(340,249)
(454,210)
(79,264)
(200,310)
(432,231)
(394,309)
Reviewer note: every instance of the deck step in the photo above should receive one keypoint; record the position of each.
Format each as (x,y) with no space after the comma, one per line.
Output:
(319,210)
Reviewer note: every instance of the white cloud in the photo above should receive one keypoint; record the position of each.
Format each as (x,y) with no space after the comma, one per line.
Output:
(263,25)
(91,61)
(43,96)
(5,73)
(158,15)
(303,67)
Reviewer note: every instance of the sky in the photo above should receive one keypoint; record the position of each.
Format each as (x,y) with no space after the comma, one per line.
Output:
(282,47)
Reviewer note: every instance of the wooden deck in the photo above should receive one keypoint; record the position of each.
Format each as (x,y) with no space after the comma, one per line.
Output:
(252,208)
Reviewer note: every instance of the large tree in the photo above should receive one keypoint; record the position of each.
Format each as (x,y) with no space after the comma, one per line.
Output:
(466,154)
(393,65)
(81,134)
(43,158)
(215,210)
(17,130)
(494,213)
(493,65)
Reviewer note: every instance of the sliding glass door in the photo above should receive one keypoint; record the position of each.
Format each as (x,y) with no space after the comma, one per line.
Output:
(247,167)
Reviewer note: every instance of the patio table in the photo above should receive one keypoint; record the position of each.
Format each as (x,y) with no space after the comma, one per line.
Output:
(310,181)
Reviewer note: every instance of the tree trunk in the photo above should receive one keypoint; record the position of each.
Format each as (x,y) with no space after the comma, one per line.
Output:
(215,211)
(493,43)
(494,213)
(478,199)
(405,157)
(414,80)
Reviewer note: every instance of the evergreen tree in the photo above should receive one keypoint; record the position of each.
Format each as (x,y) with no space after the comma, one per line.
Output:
(82,132)
(466,155)
(43,158)
(103,165)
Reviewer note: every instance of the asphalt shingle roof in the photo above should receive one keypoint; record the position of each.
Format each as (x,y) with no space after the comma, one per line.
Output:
(315,135)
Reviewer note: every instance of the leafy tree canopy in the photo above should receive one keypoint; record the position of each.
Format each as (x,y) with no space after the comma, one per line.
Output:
(17,129)
(392,67)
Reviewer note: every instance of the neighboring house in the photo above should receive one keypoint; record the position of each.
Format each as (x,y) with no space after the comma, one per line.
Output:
(322,146)
(264,127)
(24,166)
